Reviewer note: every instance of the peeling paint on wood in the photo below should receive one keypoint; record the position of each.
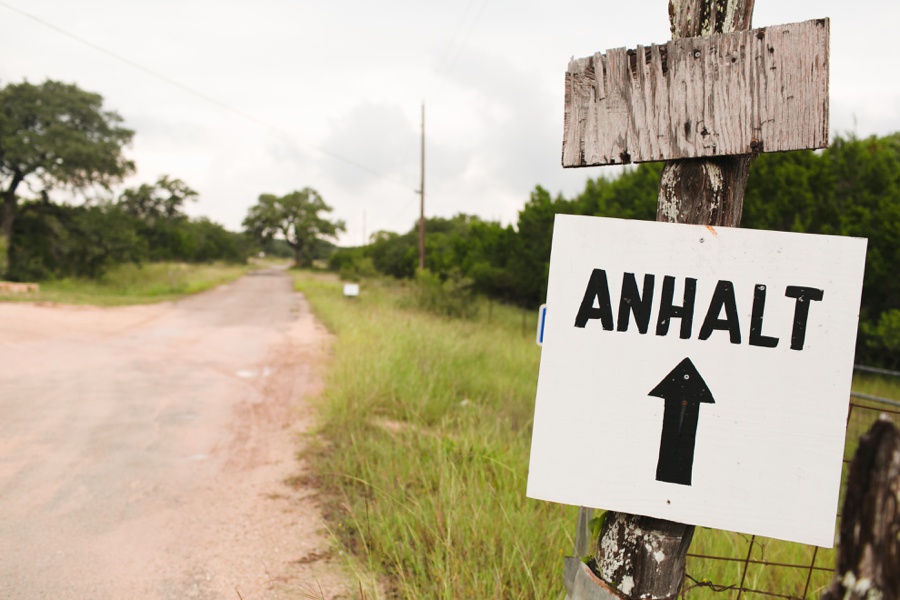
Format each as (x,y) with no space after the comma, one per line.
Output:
(745,92)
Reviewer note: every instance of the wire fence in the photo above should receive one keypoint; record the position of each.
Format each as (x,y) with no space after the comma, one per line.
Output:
(730,565)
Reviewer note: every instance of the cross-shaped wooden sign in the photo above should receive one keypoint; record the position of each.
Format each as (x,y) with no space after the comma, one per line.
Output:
(705,105)
(761,90)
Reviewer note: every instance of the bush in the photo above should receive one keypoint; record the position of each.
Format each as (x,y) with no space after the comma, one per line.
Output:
(54,241)
(884,337)
(452,297)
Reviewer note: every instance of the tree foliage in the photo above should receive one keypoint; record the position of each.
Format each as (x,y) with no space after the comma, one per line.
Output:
(55,135)
(294,218)
(852,188)
(161,201)
(53,240)
(145,224)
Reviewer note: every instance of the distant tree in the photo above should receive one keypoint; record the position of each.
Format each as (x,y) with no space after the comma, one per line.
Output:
(295,218)
(530,260)
(164,200)
(55,135)
(162,222)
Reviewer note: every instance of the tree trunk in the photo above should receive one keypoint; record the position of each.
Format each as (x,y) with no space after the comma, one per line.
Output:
(8,218)
(640,556)
(868,561)
(8,209)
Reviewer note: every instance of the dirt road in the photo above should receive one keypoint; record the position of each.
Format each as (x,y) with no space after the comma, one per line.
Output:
(144,450)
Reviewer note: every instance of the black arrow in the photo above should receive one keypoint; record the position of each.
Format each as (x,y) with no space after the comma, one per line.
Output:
(684,390)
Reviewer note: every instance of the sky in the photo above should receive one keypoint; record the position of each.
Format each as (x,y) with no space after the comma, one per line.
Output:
(243,98)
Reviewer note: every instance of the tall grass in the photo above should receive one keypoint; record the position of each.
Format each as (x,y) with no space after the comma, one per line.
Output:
(135,284)
(426,425)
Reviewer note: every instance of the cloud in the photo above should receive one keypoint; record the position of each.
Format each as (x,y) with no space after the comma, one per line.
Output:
(162,131)
(379,137)
(519,125)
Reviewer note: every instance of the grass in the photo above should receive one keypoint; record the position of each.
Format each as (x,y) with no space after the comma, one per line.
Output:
(134,284)
(427,423)
(426,427)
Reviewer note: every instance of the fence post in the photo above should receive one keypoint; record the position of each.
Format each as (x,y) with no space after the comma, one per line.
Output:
(868,557)
(640,556)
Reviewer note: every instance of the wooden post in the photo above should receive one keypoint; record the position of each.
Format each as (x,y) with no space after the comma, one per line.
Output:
(640,556)
(706,102)
(868,558)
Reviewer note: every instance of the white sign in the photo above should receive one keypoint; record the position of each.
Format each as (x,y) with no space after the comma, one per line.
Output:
(698,375)
(351,290)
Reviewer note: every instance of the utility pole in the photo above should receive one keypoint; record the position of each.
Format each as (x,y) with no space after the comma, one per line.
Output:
(422,198)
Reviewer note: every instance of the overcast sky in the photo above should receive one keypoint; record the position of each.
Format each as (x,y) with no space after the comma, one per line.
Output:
(286,94)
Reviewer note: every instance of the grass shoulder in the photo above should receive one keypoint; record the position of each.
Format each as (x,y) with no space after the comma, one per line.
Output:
(425,430)
(134,284)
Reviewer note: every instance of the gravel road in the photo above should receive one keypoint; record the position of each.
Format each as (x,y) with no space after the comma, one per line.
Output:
(145,451)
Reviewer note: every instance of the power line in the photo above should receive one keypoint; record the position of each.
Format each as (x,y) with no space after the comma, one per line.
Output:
(466,38)
(277,130)
(447,61)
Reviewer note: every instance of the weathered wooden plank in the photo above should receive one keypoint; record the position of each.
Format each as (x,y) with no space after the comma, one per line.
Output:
(762,90)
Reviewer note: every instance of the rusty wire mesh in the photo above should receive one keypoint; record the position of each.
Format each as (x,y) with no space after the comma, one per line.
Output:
(731,565)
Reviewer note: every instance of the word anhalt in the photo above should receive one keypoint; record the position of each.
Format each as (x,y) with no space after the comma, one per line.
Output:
(721,315)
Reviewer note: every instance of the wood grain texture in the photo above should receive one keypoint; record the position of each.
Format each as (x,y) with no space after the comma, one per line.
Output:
(868,561)
(728,94)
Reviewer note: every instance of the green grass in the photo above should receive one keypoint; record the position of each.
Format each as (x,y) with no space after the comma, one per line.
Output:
(427,423)
(423,457)
(133,284)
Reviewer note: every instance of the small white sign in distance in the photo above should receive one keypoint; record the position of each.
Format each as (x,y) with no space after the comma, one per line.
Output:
(351,290)
(698,375)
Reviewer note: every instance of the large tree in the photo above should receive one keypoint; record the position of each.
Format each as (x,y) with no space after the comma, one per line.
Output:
(55,135)
(295,218)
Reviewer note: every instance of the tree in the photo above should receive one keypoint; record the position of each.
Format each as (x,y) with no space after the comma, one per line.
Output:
(164,200)
(58,240)
(158,209)
(294,217)
(55,135)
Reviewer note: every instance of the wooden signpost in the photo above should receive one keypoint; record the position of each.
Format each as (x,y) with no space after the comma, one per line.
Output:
(705,102)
